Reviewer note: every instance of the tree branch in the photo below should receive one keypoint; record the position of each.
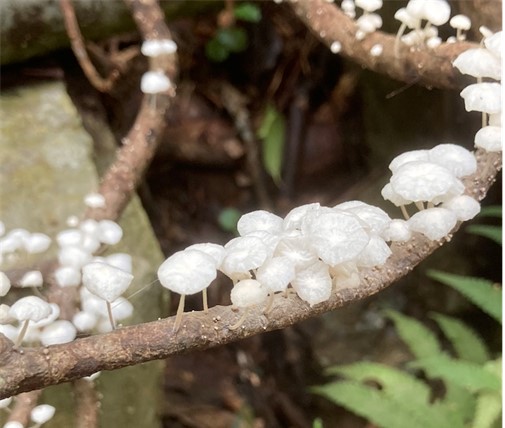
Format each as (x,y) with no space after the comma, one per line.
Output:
(33,368)
(428,67)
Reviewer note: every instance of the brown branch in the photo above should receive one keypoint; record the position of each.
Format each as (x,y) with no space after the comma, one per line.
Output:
(429,67)
(87,404)
(23,405)
(79,49)
(34,368)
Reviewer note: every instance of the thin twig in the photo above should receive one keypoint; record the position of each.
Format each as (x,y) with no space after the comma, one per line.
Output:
(39,367)
(23,405)
(432,67)
(79,49)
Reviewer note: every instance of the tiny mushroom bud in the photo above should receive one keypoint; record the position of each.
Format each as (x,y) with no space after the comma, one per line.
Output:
(345,275)
(154,48)
(32,278)
(5,284)
(84,321)
(376,50)
(67,276)
(109,232)
(122,261)
(245,294)
(336,47)
(42,413)
(434,223)
(398,230)
(489,138)
(155,82)
(36,243)
(94,200)
(460,23)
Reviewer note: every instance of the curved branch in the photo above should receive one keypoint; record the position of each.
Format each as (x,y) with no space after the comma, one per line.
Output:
(429,67)
(38,367)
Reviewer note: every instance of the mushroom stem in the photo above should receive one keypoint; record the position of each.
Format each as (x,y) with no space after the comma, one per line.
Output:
(111,317)
(270,301)
(431,205)
(404,212)
(240,321)
(459,34)
(205,302)
(180,311)
(21,334)
(420,206)
(398,39)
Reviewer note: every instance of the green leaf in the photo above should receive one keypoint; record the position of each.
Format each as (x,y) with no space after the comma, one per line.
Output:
(491,211)
(468,375)
(272,132)
(215,51)
(228,219)
(396,383)
(383,410)
(488,409)
(247,12)
(467,344)
(492,232)
(318,423)
(421,341)
(481,292)
(234,39)
(458,401)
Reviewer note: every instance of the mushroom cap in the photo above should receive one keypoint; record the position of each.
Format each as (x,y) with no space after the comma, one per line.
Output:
(60,331)
(42,413)
(297,248)
(32,278)
(216,251)
(410,156)
(415,8)
(461,22)
(67,276)
(105,281)
(122,261)
(493,43)
(377,219)
(460,161)
(244,254)
(424,181)
(465,207)
(30,308)
(69,237)
(154,82)
(259,220)
(433,42)
(313,284)
(406,18)
(53,316)
(156,47)
(187,272)
(434,223)
(489,138)
(484,97)
(369,23)
(369,5)
(437,12)
(276,273)
(478,63)
(36,243)
(336,47)
(397,231)
(248,292)
(84,321)
(336,236)
(5,284)
(109,232)
(73,256)
(389,194)
(375,253)
(294,219)
(94,200)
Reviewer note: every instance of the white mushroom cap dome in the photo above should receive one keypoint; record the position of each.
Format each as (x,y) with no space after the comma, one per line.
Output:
(456,159)
(464,206)
(376,219)
(248,292)
(389,194)
(105,281)
(369,5)
(479,63)
(461,22)
(434,223)
(243,254)
(398,230)
(30,308)
(437,12)
(60,331)
(489,138)
(259,220)
(484,97)
(406,18)
(424,181)
(313,284)
(494,42)
(375,253)
(187,272)
(276,273)
(154,82)
(410,156)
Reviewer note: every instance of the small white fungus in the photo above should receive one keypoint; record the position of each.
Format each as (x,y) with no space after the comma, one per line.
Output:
(243,254)
(494,42)
(42,413)
(489,138)
(154,82)
(478,63)
(397,231)
(84,321)
(456,159)
(345,275)
(313,284)
(105,281)
(276,273)
(154,48)
(94,200)
(36,243)
(60,331)
(376,50)
(122,261)
(336,47)
(30,308)
(69,237)
(67,276)
(464,206)
(460,22)
(248,292)
(109,232)
(74,257)
(484,97)
(259,220)
(410,156)
(5,284)
(32,278)
(434,223)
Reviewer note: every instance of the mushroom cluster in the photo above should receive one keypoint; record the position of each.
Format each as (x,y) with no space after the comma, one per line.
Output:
(484,96)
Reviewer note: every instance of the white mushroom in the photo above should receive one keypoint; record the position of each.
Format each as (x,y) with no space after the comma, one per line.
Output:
(493,43)
(313,284)
(60,331)
(5,284)
(375,253)
(460,23)
(345,275)
(464,206)
(155,82)
(154,48)
(489,138)
(434,223)
(375,218)
(456,159)
(109,232)
(106,282)
(187,272)
(94,200)
(42,413)
(245,294)
(32,278)
(36,243)
(407,20)
(478,63)
(242,255)
(410,156)
(259,220)
(397,231)
(484,97)
(67,276)
(26,309)
(84,321)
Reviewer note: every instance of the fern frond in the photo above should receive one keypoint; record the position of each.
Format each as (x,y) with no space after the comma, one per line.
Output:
(421,341)
(384,410)
(458,401)
(491,232)
(491,211)
(481,292)
(488,409)
(465,341)
(396,383)
(471,376)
